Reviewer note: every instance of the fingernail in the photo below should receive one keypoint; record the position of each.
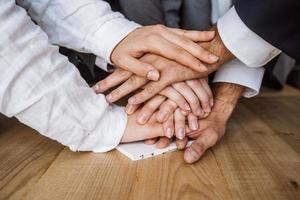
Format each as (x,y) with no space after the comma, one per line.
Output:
(132,100)
(161,116)
(142,118)
(169,133)
(188,157)
(109,98)
(181,133)
(202,67)
(194,125)
(211,102)
(129,109)
(153,75)
(207,109)
(213,58)
(184,112)
(96,87)
(187,107)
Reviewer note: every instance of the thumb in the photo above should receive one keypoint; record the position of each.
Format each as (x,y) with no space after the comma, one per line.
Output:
(206,139)
(139,68)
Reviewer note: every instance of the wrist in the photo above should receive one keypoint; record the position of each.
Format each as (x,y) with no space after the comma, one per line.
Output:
(218,48)
(226,96)
(137,132)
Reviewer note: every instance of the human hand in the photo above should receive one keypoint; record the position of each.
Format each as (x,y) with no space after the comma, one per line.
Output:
(170,75)
(175,44)
(198,105)
(136,132)
(213,127)
(173,122)
(171,72)
(210,131)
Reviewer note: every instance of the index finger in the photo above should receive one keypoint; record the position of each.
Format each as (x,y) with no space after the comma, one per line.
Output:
(196,36)
(149,91)
(114,79)
(176,53)
(132,84)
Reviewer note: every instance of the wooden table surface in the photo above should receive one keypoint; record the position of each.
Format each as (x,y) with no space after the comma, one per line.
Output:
(258,158)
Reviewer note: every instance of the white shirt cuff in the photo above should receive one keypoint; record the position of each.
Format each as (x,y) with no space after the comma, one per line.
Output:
(107,134)
(238,73)
(102,64)
(103,41)
(246,45)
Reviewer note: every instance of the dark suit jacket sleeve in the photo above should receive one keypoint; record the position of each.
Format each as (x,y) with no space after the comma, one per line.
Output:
(276,21)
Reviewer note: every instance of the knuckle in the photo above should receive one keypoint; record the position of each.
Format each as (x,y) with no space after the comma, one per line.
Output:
(124,74)
(116,93)
(185,40)
(103,83)
(150,89)
(185,73)
(152,38)
(194,102)
(178,100)
(200,51)
(180,52)
(133,80)
(140,97)
(205,99)
(166,108)
(160,27)
(166,68)
(198,147)
(214,137)
(184,33)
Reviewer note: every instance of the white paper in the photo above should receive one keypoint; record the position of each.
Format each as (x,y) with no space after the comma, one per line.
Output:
(140,150)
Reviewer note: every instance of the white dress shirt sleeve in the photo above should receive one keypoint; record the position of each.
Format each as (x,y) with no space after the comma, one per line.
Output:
(88,26)
(44,91)
(238,73)
(235,71)
(246,45)
(102,64)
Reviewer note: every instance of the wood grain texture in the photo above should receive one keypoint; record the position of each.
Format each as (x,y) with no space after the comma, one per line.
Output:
(258,158)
